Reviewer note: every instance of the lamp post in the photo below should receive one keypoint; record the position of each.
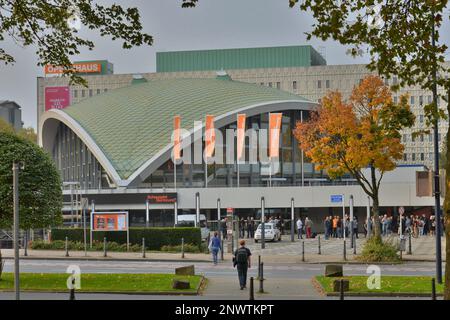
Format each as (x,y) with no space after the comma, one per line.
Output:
(16,168)
(292,220)
(437,194)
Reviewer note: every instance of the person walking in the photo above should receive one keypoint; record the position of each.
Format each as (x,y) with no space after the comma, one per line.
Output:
(355,226)
(224,229)
(335,223)
(242,261)
(299,228)
(215,246)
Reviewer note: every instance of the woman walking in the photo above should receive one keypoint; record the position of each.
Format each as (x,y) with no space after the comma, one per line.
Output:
(214,246)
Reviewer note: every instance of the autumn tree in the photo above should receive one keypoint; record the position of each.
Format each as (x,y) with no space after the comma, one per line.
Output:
(363,132)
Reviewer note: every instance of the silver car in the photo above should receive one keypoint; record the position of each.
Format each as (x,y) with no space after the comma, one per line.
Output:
(272,233)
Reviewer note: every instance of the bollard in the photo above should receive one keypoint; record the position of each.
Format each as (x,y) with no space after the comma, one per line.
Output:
(259,267)
(252,293)
(105,254)
(354,244)
(221,248)
(303,251)
(26,244)
(261,279)
(67,247)
(341,290)
(72,290)
(433,289)
(345,251)
(143,247)
(409,244)
(319,244)
(182,248)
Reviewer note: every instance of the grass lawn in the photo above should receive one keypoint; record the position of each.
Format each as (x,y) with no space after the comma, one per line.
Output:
(145,283)
(389,284)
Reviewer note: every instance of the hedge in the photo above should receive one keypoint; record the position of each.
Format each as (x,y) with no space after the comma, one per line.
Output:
(155,238)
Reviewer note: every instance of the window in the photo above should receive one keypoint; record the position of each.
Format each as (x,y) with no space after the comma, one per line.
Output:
(319,84)
(327,84)
(421,100)
(412,99)
(430,99)
(83,93)
(262,83)
(75,93)
(270,84)
(430,138)
(413,155)
(386,81)
(12,116)
(278,85)
(422,157)
(405,137)
(405,157)
(294,85)
(98,91)
(91,92)
(421,138)
(421,118)
(439,137)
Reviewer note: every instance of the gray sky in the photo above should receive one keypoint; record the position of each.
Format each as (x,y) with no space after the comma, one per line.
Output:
(213,24)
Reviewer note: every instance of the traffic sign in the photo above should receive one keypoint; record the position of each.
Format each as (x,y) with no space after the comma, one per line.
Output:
(336,198)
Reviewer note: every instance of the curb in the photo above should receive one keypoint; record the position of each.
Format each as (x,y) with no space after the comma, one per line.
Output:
(106,259)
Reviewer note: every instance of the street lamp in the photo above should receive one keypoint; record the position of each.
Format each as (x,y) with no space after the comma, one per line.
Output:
(16,168)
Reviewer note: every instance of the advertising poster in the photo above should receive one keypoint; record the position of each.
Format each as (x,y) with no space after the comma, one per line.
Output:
(57,98)
(104,221)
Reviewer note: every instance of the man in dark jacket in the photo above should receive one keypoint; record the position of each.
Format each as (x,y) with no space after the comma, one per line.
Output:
(242,261)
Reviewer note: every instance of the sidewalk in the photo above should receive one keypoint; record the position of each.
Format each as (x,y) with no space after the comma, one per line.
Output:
(267,256)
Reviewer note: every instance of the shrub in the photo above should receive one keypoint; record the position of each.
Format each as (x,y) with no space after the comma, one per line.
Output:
(375,250)
(155,238)
(79,246)
(187,248)
(1,264)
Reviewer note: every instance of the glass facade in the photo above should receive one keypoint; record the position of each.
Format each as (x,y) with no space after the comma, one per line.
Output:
(294,168)
(76,163)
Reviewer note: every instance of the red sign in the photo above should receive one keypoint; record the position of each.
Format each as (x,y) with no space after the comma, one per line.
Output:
(161,198)
(57,98)
(230,210)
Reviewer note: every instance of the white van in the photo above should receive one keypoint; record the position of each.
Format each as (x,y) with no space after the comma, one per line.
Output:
(188,220)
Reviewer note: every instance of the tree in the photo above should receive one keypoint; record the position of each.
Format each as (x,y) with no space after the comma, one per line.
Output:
(40,195)
(402,39)
(348,137)
(51,25)
(28,134)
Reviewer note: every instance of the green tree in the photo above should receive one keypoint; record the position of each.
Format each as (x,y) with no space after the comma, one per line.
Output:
(40,195)
(50,25)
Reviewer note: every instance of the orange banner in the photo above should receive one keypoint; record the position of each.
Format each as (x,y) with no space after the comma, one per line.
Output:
(274,134)
(210,136)
(177,138)
(109,221)
(240,135)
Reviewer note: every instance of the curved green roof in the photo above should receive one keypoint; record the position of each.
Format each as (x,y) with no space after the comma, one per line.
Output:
(132,124)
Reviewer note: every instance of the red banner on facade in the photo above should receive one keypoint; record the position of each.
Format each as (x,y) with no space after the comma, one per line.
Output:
(57,98)
(210,136)
(240,135)
(274,134)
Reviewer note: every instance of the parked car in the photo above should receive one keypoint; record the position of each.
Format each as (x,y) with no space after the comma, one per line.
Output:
(272,233)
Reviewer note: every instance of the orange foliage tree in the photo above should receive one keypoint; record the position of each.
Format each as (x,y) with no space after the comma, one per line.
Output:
(363,132)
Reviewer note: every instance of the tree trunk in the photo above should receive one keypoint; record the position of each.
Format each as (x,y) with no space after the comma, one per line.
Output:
(446,215)
(376,218)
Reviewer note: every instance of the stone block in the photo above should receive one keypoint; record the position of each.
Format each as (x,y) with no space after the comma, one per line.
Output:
(334,270)
(185,271)
(181,284)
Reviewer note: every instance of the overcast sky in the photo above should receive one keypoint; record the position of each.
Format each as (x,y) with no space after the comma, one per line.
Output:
(213,24)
